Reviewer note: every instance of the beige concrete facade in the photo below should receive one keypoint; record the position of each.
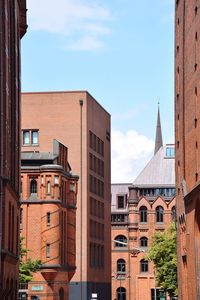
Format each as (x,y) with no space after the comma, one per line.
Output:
(77,120)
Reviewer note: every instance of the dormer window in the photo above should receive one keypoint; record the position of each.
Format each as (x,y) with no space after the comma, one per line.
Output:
(170,152)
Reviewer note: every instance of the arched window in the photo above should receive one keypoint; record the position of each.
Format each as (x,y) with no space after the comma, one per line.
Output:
(159,214)
(122,241)
(33,187)
(174,213)
(143,214)
(144,265)
(121,293)
(121,266)
(144,241)
(61,294)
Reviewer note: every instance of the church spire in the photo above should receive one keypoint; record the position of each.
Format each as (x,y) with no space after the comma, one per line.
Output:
(158,141)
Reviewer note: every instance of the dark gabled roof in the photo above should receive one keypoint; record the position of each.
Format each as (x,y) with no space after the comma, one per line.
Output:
(37,156)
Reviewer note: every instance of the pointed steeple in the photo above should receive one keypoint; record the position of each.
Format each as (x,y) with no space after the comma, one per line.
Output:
(158,141)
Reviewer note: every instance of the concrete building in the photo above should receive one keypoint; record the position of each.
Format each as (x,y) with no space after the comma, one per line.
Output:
(187,116)
(139,210)
(48,220)
(12,28)
(79,121)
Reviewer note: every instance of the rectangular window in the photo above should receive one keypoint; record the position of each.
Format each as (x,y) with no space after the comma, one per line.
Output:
(34,137)
(20,216)
(56,179)
(170,152)
(120,201)
(26,137)
(160,294)
(30,137)
(48,218)
(47,250)
(48,187)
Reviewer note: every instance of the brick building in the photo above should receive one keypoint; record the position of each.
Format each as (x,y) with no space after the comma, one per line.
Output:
(48,219)
(79,121)
(139,210)
(187,114)
(12,28)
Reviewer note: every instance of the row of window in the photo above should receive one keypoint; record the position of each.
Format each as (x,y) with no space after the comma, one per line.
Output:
(96,208)
(33,188)
(121,266)
(96,143)
(96,230)
(96,256)
(119,218)
(159,214)
(121,241)
(160,294)
(157,192)
(96,165)
(96,186)
(30,137)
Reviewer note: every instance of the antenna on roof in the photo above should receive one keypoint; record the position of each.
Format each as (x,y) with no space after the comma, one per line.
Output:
(158,140)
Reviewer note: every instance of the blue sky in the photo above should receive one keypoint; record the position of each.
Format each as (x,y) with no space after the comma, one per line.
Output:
(121,51)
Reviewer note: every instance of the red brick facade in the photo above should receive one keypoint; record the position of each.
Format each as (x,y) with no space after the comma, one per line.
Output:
(48,220)
(77,120)
(138,211)
(187,116)
(12,27)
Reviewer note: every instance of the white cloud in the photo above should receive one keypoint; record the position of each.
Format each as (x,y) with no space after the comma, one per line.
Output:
(130,153)
(81,20)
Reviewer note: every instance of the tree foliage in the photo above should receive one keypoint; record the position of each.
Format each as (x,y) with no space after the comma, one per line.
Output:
(163,254)
(26,268)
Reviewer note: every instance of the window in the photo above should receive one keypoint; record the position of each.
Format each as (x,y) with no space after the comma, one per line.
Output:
(159,214)
(47,250)
(121,293)
(143,214)
(144,241)
(173,213)
(61,294)
(33,187)
(120,201)
(119,218)
(160,294)
(122,241)
(26,137)
(144,265)
(20,216)
(170,152)
(56,179)
(48,218)
(48,187)
(121,266)
(34,137)
(30,137)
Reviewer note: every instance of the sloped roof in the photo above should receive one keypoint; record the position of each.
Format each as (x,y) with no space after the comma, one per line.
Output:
(159,172)
(37,156)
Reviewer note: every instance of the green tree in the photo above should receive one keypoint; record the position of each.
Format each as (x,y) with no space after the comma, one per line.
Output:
(163,254)
(26,268)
